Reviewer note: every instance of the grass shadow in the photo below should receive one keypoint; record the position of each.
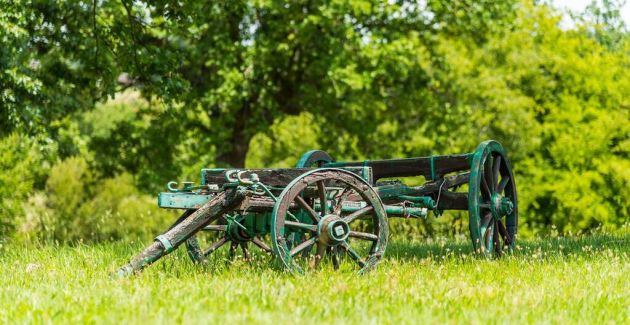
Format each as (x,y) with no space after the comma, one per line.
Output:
(579,246)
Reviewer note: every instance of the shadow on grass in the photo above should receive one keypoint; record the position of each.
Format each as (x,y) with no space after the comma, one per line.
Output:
(442,251)
(584,246)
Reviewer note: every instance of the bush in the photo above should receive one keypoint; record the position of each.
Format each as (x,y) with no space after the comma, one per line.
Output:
(23,164)
(78,208)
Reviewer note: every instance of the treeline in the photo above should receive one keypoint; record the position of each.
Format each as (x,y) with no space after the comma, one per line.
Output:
(102,104)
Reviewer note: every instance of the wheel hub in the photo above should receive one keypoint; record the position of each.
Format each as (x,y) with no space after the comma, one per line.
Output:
(235,233)
(500,205)
(332,230)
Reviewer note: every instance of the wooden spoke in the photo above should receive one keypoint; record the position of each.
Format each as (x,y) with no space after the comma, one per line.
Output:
(353,254)
(495,171)
(341,199)
(311,213)
(487,172)
(302,246)
(486,220)
(484,185)
(215,246)
(232,251)
(215,228)
(321,250)
(485,205)
(506,237)
(351,217)
(502,184)
(300,225)
(495,239)
(258,242)
(334,257)
(487,236)
(321,190)
(245,250)
(363,235)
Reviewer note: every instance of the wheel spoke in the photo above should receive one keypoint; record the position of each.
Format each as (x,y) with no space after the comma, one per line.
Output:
(502,184)
(215,228)
(245,250)
(258,242)
(342,198)
(495,172)
(486,221)
(321,189)
(300,225)
(485,186)
(334,256)
(302,246)
(506,237)
(215,246)
(495,239)
(488,236)
(321,250)
(353,254)
(349,218)
(487,172)
(232,250)
(363,235)
(485,205)
(311,213)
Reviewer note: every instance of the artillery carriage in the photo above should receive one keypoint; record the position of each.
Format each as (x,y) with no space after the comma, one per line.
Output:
(338,209)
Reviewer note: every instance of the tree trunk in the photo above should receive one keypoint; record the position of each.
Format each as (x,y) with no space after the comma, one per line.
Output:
(239,141)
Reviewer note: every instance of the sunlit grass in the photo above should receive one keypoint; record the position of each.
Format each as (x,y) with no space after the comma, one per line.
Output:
(561,280)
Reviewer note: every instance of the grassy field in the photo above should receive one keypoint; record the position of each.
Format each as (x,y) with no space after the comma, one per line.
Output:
(562,280)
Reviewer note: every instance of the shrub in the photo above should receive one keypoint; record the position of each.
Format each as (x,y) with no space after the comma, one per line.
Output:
(23,164)
(78,208)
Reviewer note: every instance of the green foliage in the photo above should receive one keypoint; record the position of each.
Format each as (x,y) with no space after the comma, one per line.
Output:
(76,208)
(285,142)
(24,163)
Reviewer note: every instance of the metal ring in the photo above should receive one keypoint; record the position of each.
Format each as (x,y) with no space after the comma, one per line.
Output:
(168,247)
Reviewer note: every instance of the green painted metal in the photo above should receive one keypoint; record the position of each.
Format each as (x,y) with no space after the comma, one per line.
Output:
(393,190)
(168,247)
(314,158)
(391,210)
(422,201)
(209,170)
(184,200)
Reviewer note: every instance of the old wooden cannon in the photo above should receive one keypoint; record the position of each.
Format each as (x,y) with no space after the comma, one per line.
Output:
(339,209)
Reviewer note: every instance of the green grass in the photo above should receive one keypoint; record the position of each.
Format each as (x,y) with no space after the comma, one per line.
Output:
(562,280)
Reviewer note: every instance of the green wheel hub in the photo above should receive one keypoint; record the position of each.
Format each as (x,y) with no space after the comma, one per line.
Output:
(332,230)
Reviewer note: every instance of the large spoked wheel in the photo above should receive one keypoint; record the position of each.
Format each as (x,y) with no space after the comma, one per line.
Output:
(337,212)
(225,231)
(492,200)
(312,158)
